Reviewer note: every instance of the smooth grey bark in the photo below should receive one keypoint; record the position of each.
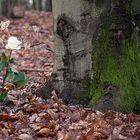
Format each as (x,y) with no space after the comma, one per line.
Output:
(75,25)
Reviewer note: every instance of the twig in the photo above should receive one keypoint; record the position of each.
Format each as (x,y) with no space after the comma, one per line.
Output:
(42,43)
(31,69)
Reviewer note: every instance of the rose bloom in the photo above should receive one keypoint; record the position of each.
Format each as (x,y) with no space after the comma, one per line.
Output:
(13,43)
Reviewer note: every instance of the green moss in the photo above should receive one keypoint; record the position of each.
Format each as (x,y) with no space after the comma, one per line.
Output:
(121,70)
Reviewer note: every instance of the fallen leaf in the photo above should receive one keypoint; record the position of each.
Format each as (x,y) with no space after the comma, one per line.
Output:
(117,122)
(44,132)
(8,118)
(52,114)
(24,137)
(60,135)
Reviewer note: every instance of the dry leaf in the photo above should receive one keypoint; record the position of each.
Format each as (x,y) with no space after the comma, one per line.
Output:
(27,45)
(116,132)
(44,132)
(109,113)
(72,135)
(60,135)
(8,118)
(117,122)
(24,137)
(35,28)
(4,25)
(52,114)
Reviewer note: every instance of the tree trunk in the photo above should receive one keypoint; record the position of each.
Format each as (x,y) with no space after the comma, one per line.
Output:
(106,48)
(34,4)
(116,57)
(37,4)
(6,8)
(48,5)
(75,24)
(0,8)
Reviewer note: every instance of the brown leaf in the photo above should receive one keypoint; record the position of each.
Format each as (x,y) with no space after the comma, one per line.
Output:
(44,132)
(10,86)
(116,132)
(51,125)
(8,118)
(72,135)
(75,116)
(24,137)
(82,137)
(4,25)
(109,113)
(45,106)
(60,135)
(96,124)
(117,122)
(52,114)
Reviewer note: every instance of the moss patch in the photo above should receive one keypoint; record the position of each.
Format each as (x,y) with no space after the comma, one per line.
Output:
(121,71)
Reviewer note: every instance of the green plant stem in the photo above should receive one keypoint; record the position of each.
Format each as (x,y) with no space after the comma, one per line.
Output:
(4,79)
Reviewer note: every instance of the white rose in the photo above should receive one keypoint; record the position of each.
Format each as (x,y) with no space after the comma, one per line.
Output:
(13,43)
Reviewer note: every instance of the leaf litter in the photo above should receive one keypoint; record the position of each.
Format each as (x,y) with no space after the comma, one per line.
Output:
(36,119)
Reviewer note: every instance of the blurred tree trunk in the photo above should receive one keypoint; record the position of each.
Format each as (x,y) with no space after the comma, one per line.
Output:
(0,7)
(40,5)
(6,7)
(19,2)
(18,9)
(6,10)
(48,5)
(37,5)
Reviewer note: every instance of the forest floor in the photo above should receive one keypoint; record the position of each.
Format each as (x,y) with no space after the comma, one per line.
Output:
(27,117)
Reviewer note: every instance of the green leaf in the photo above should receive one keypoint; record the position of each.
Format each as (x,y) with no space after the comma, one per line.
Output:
(14,70)
(10,76)
(11,60)
(4,61)
(15,77)
(4,57)
(3,95)
(20,79)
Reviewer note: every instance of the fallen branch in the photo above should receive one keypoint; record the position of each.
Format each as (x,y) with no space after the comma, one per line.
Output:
(31,69)
(42,43)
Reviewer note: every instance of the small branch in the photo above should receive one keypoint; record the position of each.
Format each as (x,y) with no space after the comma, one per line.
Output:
(31,69)
(37,44)
(41,43)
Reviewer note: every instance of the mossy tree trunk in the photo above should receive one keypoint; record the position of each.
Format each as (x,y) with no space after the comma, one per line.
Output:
(103,50)
(117,61)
